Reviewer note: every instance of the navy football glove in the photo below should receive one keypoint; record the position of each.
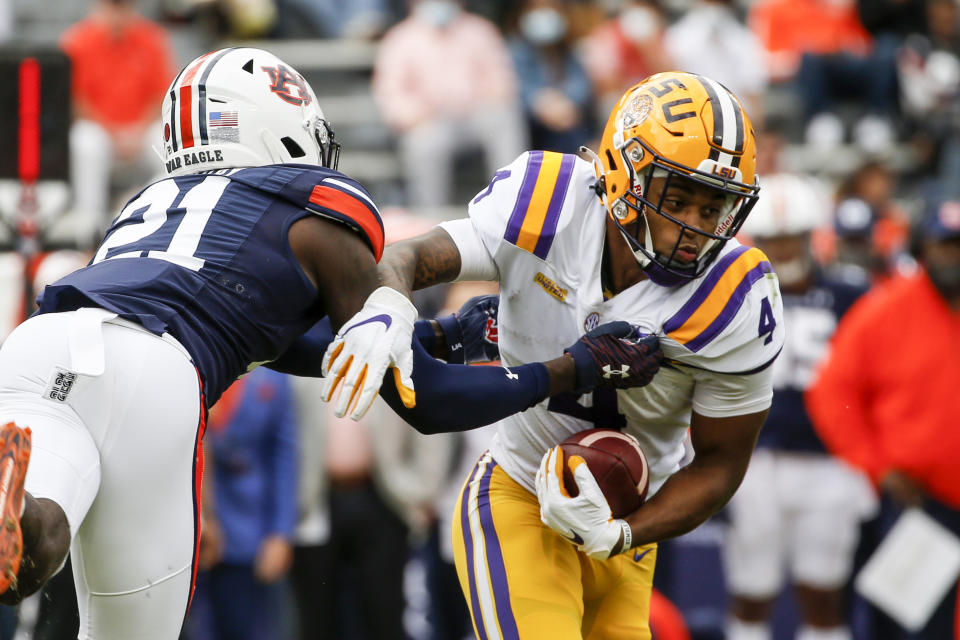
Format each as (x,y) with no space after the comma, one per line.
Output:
(471,332)
(613,356)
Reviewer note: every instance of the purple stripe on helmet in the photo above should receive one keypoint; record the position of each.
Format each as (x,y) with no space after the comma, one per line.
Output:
(704,290)
(731,308)
(556,205)
(534,161)
(468,545)
(498,572)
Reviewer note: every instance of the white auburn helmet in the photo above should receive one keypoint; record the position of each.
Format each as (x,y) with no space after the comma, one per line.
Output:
(790,205)
(243,107)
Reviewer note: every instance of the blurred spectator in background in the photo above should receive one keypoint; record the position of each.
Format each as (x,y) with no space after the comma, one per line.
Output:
(886,399)
(871,229)
(122,64)
(624,50)
(445,84)
(823,48)
(929,71)
(365,19)
(366,492)
(252,439)
(798,510)
(554,87)
(710,39)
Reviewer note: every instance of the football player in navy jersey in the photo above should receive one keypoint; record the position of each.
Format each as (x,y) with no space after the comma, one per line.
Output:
(798,511)
(253,250)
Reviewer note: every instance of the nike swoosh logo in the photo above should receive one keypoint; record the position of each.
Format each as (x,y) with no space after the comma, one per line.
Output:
(574,537)
(384,318)
(637,556)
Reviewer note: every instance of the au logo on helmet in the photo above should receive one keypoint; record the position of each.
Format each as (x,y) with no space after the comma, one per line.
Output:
(283,82)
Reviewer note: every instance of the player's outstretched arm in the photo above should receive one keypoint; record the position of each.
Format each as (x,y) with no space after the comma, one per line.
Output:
(375,323)
(428,259)
(459,397)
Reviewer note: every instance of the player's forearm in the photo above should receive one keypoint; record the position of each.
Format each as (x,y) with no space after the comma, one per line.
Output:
(685,501)
(420,262)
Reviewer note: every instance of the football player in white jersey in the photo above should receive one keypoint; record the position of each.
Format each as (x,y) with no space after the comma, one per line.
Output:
(643,234)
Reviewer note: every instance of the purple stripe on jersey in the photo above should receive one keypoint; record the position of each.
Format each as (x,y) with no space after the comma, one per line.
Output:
(498,572)
(468,546)
(556,205)
(687,310)
(523,200)
(731,308)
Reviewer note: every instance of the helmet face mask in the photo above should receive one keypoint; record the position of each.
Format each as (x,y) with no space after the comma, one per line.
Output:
(671,126)
(243,107)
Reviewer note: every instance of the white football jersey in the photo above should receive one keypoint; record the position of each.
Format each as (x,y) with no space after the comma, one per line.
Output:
(539,228)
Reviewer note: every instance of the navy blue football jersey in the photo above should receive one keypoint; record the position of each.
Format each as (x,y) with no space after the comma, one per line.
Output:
(810,320)
(206,258)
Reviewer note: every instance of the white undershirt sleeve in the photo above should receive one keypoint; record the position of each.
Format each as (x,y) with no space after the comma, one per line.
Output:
(476,263)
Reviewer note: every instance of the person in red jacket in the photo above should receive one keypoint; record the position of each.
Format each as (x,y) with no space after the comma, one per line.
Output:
(886,399)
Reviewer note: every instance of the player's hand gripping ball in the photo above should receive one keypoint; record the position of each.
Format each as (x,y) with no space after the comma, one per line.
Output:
(617,463)
(573,501)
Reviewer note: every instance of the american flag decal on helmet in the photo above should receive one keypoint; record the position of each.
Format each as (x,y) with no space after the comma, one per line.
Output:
(223,118)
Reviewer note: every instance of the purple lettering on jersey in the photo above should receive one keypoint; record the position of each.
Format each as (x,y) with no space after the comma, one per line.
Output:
(523,200)
(499,175)
(556,205)
(384,318)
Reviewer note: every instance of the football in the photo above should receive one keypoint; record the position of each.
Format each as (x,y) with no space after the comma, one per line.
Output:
(616,461)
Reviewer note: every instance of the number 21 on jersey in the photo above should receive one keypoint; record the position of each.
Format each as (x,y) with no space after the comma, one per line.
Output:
(156,225)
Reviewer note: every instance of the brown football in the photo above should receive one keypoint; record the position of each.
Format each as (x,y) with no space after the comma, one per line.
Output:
(616,461)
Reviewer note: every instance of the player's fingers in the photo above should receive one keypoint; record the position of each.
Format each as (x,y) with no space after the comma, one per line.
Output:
(330,356)
(357,392)
(346,393)
(586,483)
(335,378)
(404,389)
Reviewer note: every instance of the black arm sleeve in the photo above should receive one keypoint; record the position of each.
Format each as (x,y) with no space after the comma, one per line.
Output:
(450,397)
(456,397)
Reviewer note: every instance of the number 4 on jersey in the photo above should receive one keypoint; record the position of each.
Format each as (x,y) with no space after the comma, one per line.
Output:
(767,322)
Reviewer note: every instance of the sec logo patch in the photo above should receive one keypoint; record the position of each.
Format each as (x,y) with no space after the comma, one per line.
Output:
(591,321)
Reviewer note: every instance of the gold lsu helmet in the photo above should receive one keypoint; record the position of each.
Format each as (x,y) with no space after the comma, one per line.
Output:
(676,125)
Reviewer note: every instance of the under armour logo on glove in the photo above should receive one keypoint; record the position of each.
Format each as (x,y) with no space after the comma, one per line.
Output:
(612,356)
(609,371)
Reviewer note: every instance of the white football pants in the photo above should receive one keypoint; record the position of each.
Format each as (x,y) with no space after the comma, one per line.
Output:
(794,512)
(115,413)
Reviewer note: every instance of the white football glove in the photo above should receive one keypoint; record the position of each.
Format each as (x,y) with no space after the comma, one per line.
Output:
(376,337)
(585,520)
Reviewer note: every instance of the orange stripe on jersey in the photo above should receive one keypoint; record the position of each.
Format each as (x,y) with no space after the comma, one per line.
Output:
(356,210)
(539,201)
(715,304)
